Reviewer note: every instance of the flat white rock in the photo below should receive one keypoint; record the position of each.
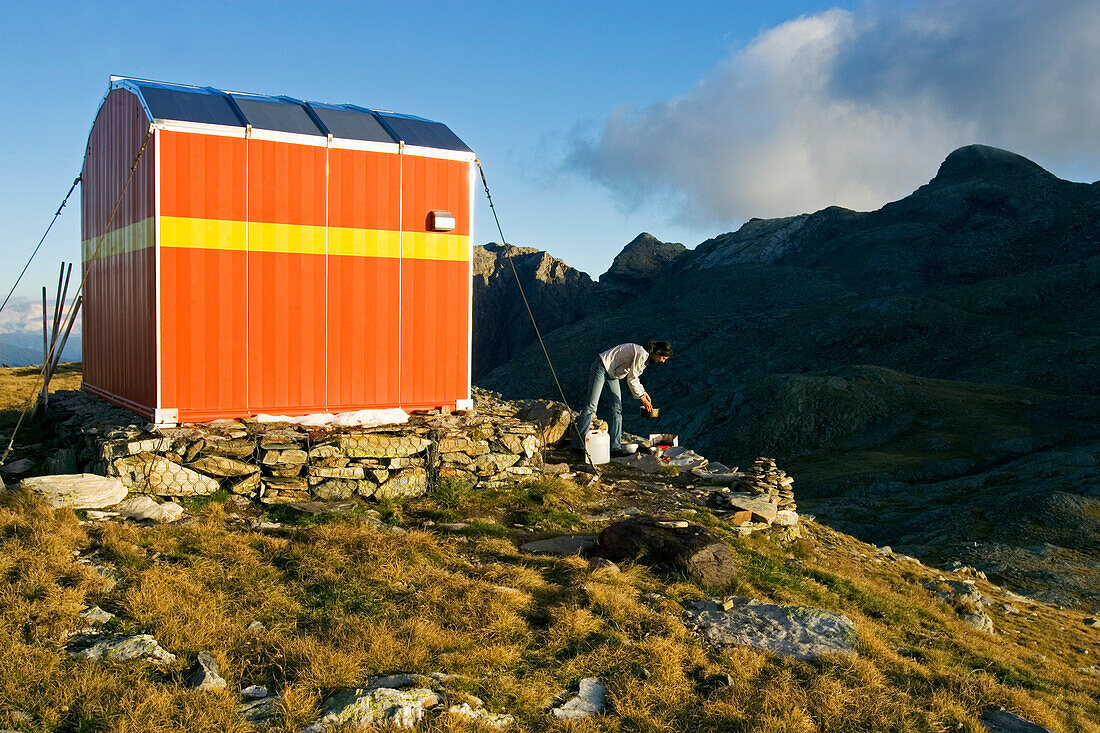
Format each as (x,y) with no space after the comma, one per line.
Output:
(591,699)
(789,631)
(572,544)
(76,490)
(146,508)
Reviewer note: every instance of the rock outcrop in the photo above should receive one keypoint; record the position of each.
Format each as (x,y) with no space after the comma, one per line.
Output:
(555,291)
(639,265)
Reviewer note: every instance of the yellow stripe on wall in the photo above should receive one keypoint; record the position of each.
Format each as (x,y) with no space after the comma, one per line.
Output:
(178,231)
(132,238)
(300,239)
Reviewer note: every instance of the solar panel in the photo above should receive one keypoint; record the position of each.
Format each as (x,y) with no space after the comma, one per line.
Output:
(351,124)
(189,106)
(418,131)
(265,113)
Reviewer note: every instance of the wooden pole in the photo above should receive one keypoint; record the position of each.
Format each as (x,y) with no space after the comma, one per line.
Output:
(45,350)
(64,337)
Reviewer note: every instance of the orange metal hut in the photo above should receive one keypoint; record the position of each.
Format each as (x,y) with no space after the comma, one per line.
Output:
(270,255)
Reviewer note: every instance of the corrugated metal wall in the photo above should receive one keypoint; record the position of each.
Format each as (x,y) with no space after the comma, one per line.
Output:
(119,313)
(292,282)
(287,249)
(203,272)
(435,282)
(364,276)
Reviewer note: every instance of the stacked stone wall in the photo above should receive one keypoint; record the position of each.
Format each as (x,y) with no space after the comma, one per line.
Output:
(278,462)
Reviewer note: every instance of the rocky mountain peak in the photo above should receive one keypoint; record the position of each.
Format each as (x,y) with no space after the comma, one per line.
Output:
(492,259)
(637,266)
(984,162)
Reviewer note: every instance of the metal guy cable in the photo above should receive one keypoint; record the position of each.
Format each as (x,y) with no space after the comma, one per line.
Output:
(511,261)
(83,277)
(40,241)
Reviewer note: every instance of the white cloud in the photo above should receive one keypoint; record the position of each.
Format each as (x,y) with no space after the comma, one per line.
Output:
(857,108)
(24,315)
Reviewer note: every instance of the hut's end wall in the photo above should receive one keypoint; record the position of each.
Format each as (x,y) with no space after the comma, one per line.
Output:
(119,256)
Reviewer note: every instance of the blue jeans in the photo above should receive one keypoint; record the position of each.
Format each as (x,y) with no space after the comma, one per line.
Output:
(597,376)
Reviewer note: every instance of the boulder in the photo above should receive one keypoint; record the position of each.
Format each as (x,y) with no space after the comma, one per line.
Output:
(17,468)
(673,546)
(790,631)
(77,490)
(204,675)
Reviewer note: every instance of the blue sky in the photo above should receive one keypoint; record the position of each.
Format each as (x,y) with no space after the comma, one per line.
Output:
(594,120)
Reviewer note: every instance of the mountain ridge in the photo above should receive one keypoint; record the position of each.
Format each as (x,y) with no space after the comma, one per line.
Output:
(871,340)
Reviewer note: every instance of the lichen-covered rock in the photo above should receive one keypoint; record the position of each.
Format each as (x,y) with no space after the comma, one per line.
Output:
(204,673)
(481,715)
(79,490)
(360,709)
(96,615)
(115,648)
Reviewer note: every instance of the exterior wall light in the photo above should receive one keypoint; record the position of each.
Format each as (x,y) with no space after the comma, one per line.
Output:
(441,221)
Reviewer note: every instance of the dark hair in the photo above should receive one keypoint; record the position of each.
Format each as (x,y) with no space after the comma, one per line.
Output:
(658,348)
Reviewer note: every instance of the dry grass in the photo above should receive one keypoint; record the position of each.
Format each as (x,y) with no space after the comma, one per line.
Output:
(340,602)
(19,387)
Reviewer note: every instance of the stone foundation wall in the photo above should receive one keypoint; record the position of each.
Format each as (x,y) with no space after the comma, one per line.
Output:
(494,444)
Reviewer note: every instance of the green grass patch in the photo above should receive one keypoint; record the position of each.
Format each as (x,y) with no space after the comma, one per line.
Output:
(196,504)
(451,492)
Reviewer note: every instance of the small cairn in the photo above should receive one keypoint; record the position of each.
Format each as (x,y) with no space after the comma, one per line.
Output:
(767,479)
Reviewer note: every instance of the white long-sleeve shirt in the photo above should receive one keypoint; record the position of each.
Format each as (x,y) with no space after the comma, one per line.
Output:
(626,360)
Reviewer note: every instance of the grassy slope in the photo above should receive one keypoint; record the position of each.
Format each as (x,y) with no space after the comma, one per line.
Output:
(341,601)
